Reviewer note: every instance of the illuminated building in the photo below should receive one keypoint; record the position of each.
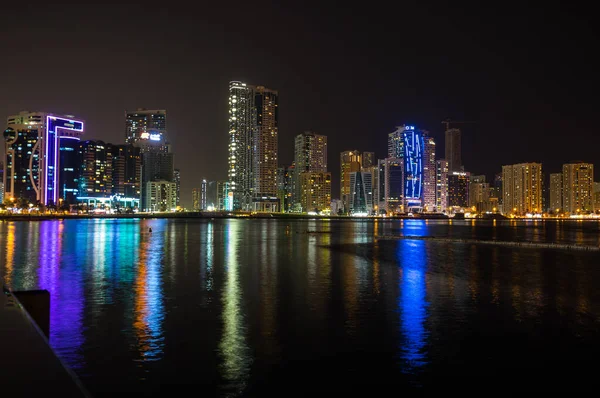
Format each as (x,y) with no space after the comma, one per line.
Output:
(479,191)
(453,149)
(429,175)
(264,156)
(336,207)
(127,170)
(225,196)
(285,187)
(177,181)
(441,185)
(39,149)
(391,186)
(1,182)
(157,165)
(556,192)
(145,125)
(315,191)
(597,196)
(161,196)
(350,162)
(253,133)
(95,179)
(458,189)
(361,193)
(368,160)
(310,155)
(522,188)
(196,198)
(578,187)
(408,143)
(204,195)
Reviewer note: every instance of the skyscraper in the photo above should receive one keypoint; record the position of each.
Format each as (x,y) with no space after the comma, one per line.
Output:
(429,175)
(407,143)
(368,160)
(453,149)
(35,145)
(310,166)
(350,161)
(127,171)
(479,190)
(204,195)
(286,183)
(253,134)
(315,192)
(96,170)
(391,185)
(458,189)
(145,126)
(441,189)
(196,197)
(177,180)
(161,196)
(361,193)
(578,187)
(522,188)
(556,192)
(1,182)
(147,129)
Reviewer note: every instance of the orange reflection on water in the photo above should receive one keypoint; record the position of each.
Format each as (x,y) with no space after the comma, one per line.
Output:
(10,252)
(141,301)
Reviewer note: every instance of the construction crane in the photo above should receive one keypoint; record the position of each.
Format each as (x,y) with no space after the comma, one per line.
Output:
(448,121)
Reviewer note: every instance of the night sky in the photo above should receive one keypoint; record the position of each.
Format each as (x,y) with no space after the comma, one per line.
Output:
(529,77)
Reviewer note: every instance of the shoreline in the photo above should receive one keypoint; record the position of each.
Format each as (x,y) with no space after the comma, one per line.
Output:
(280,216)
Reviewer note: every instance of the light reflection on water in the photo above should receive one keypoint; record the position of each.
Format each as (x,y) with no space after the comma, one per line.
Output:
(234,304)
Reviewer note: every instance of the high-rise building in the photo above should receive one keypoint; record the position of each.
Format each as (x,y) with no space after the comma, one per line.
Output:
(1,182)
(350,162)
(578,187)
(556,192)
(286,178)
(597,196)
(453,149)
(126,171)
(441,185)
(212,202)
(161,196)
(429,175)
(310,155)
(95,180)
(315,192)
(177,180)
(144,126)
(522,188)
(196,198)
(146,129)
(368,160)
(361,193)
(35,144)
(391,185)
(479,190)
(253,134)
(407,143)
(204,195)
(458,189)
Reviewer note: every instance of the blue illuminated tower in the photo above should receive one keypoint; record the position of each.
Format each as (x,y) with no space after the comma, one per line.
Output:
(407,143)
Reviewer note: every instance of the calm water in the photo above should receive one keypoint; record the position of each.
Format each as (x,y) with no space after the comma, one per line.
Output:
(262,308)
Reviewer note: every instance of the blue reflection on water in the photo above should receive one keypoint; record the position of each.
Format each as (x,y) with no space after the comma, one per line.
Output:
(412,304)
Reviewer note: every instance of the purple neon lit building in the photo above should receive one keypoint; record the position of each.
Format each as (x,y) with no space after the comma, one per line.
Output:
(41,162)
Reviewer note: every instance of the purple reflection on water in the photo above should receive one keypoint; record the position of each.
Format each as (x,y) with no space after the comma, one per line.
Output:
(64,282)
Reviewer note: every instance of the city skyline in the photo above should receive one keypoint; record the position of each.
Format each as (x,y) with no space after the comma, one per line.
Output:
(511,100)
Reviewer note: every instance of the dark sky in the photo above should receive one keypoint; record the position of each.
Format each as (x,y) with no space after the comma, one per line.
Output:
(529,77)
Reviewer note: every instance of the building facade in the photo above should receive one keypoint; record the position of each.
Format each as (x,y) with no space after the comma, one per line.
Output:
(286,184)
(196,198)
(556,193)
(408,143)
(522,188)
(95,180)
(310,155)
(177,181)
(35,144)
(429,175)
(578,187)
(315,192)
(454,149)
(391,186)
(350,162)
(458,190)
(161,196)
(368,160)
(441,185)
(361,193)
(145,125)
